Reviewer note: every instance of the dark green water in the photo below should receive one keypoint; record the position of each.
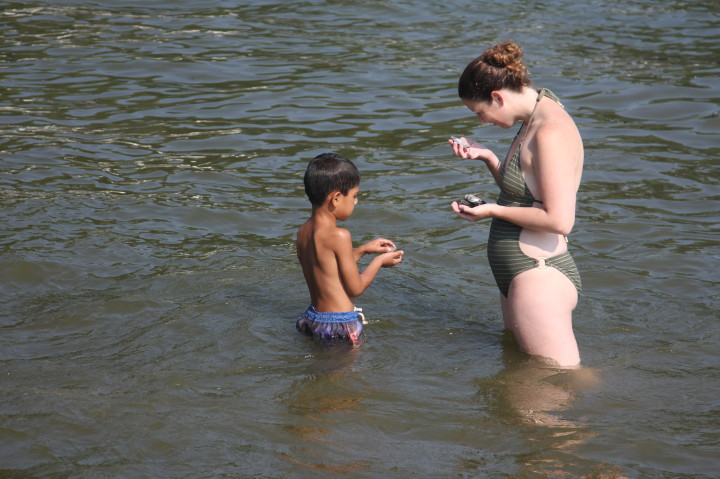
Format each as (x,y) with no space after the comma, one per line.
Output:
(152,159)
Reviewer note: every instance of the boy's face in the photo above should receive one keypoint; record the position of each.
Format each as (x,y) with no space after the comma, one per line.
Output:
(346,204)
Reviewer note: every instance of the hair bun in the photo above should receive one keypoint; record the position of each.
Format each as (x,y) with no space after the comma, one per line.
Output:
(504,55)
(499,67)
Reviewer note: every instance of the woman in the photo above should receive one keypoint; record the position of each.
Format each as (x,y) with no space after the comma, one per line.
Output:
(539,178)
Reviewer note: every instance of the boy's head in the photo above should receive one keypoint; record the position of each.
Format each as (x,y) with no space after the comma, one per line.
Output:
(327,173)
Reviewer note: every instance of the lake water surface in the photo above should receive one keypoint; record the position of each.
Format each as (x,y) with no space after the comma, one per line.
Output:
(152,159)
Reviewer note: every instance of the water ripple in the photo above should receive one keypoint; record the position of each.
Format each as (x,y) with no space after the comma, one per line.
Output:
(153,158)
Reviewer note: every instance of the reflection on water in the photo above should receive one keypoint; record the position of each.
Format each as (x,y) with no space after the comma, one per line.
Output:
(532,390)
(152,161)
(328,393)
(528,392)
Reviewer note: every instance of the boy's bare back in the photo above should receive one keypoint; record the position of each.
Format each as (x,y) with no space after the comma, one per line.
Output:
(319,247)
(325,251)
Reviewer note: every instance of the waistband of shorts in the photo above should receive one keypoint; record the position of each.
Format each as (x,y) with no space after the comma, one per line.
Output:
(322,317)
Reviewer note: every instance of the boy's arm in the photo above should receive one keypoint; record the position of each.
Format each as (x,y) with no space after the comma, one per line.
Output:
(355,282)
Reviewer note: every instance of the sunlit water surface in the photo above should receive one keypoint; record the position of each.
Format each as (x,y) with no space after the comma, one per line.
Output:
(152,159)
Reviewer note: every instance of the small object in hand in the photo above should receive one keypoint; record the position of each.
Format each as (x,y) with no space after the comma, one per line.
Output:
(460,142)
(471,201)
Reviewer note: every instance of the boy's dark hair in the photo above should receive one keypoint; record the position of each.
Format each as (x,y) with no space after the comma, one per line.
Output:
(329,172)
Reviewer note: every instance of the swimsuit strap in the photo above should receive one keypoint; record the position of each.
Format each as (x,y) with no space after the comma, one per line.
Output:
(516,155)
(541,93)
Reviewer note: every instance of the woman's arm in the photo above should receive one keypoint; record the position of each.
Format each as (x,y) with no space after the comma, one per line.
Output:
(478,152)
(556,165)
(557,157)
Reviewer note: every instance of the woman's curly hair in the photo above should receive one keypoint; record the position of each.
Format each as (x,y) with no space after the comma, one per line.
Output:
(498,67)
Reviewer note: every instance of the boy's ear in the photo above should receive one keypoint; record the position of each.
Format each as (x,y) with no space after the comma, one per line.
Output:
(334,198)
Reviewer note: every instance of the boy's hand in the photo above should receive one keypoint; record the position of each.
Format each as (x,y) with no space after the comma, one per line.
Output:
(390,259)
(379,245)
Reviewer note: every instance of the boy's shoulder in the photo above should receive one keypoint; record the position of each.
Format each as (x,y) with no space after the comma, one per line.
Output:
(332,233)
(325,232)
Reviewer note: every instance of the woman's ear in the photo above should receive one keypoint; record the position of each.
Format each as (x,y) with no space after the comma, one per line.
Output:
(497,97)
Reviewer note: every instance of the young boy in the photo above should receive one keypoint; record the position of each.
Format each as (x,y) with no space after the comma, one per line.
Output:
(326,255)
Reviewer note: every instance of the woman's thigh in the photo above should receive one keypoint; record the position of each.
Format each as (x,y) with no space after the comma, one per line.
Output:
(539,312)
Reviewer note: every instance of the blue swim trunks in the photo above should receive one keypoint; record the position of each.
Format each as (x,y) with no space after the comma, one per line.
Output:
(345,326)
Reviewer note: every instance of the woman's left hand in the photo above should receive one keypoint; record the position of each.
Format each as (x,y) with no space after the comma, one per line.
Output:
(476,213)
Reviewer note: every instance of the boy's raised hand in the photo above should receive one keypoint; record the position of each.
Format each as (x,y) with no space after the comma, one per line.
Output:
(379,245)
(391,259)
(386,249)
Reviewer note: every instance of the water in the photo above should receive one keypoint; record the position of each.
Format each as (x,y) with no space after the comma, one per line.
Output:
(152,156)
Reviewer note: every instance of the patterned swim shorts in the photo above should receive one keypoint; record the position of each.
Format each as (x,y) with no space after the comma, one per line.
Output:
(346,326)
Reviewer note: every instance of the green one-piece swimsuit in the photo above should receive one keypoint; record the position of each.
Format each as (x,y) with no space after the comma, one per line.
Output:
(506,258)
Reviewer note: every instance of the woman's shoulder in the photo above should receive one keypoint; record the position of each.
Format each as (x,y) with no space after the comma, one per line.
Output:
(556,121)
(556,135)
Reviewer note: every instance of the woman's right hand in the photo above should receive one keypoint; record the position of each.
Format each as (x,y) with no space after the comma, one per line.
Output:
(476,151)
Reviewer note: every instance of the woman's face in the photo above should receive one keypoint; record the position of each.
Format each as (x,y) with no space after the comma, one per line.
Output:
(490,112)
